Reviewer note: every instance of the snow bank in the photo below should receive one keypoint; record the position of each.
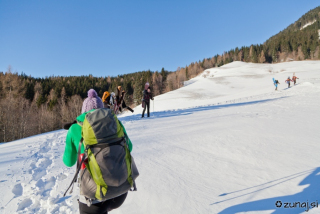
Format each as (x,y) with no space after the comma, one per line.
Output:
(234,81)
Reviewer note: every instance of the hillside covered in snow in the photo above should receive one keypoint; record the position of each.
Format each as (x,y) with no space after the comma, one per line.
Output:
(226,142)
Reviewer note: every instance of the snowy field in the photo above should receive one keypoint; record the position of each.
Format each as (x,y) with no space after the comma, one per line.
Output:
(227,142)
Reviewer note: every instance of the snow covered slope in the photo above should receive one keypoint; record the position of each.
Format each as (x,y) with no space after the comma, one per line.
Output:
(225,143)
(231,83)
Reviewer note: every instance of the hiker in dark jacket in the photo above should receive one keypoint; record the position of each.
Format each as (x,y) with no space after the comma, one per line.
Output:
(120,101)
(71,150)
(146,99)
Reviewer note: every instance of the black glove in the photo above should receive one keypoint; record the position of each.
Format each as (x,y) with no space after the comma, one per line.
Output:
(66,126)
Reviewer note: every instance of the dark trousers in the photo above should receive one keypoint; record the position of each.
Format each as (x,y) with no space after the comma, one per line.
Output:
(127,107)
(103,207)
(130,109)
(146,105)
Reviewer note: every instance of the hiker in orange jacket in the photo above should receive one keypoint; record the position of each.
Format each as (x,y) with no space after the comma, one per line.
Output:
(106,99)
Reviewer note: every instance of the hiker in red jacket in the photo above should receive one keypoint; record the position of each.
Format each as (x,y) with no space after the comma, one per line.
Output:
(294,78)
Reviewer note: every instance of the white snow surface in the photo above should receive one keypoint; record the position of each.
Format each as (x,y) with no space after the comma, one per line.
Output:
(224,143)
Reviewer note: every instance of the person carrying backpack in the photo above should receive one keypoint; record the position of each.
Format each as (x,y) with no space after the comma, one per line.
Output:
(98,143)
(288,80)
(294,78)
(106,99)
(146,99)
(93,101)
(275,82)
(112,100)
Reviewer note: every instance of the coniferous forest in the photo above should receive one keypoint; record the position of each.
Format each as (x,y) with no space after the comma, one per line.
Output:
(30,106)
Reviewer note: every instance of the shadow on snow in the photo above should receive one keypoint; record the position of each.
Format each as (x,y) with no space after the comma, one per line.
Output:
(172,113)
(296,203)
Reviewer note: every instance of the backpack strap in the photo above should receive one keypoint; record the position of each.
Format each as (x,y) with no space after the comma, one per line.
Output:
(79,163)
(134,186)
(79,152)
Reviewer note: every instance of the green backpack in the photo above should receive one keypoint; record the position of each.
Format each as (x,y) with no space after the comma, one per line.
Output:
(110,169)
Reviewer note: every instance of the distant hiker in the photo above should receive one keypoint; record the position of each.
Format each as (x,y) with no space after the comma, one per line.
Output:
(294,78)
(146,99)
(112,100)
(288,81)
(120,101)
(275,82)
(82,137)
(120,97)
(106,99)
(93,101)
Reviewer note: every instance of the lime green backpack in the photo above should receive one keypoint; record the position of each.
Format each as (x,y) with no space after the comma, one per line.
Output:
(110,169)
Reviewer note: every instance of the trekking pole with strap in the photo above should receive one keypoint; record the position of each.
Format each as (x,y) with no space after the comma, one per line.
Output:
(153,108)
(79,163)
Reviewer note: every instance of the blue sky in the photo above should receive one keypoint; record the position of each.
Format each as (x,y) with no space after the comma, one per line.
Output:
(81,37)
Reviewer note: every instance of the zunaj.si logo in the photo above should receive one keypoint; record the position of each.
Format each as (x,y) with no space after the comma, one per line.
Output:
(306,205)
(278,204)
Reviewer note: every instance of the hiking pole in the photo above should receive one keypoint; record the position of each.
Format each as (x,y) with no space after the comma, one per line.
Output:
(153,108)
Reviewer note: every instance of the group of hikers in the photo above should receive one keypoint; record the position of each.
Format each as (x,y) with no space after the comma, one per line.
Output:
(117,103)
(288,81)
(98,144)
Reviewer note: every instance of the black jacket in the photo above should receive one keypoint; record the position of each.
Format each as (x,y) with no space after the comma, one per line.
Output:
(147,96)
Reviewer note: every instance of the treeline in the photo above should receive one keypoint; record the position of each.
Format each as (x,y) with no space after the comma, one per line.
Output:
(48,90)
(30,106)
(22,117)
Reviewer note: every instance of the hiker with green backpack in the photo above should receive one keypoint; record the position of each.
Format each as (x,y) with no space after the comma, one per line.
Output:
(100,146)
